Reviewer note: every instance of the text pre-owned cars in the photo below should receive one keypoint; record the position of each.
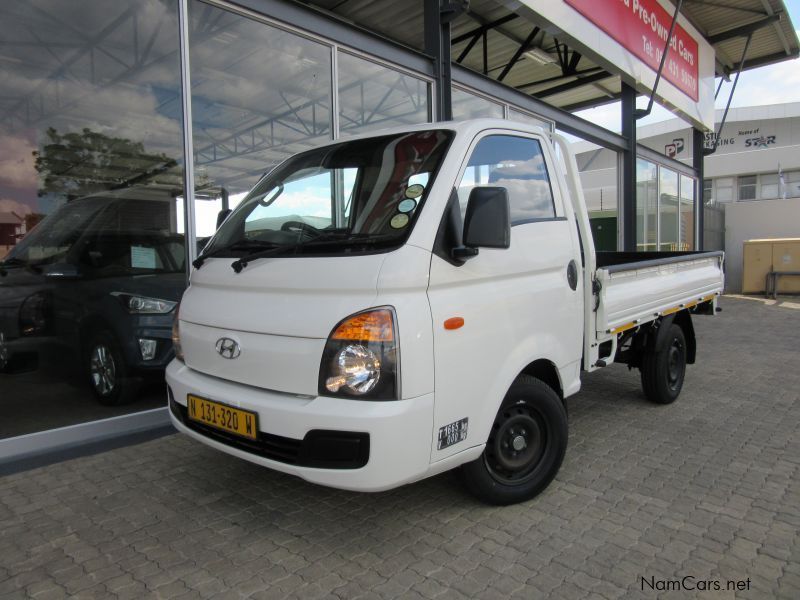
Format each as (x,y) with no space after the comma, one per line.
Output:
(91,290)
(385,308)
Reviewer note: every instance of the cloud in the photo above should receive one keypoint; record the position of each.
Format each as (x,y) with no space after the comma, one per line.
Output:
(16,161)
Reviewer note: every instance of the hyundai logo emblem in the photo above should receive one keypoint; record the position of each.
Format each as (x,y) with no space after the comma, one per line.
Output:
(228,348)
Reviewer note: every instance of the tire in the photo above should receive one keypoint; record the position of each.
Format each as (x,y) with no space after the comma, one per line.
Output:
(663,371)
(108,372)
(526,445)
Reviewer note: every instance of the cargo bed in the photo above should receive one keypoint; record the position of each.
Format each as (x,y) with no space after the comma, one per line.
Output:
(637,287)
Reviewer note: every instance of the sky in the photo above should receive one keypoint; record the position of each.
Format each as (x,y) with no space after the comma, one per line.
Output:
(766,85)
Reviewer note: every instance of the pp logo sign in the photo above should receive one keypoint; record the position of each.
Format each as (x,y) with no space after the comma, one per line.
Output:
(675,148)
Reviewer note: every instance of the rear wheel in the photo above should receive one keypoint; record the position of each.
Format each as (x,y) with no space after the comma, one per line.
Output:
(526,445)
(108,372)
(663,371)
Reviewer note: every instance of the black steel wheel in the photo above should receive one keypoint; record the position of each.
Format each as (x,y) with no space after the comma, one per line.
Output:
(663,371)
(526,445)
(108,372)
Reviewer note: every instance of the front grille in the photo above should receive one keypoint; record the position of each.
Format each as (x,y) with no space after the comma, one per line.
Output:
(320,449)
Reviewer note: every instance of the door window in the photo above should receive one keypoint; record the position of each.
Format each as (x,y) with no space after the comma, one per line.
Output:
(516,164)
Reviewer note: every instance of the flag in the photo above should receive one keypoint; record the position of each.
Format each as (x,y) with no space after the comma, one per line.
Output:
(781,183)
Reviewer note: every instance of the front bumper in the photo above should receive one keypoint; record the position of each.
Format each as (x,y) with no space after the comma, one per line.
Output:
(49,354)
(399,432)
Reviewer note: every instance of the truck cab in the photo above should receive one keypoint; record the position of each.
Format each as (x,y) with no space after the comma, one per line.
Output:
(385,308)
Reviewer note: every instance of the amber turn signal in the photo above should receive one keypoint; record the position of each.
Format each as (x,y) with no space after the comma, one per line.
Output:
(371,326)
(454,323)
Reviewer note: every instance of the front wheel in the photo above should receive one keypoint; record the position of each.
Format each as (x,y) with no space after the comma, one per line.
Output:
(108,372)
(663,371)
(526,445)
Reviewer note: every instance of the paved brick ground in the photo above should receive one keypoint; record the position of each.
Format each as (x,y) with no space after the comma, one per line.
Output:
(708,487)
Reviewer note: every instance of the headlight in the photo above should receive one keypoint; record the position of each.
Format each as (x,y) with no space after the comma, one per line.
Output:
(360,359)
(176,334)
(33,314)
(142,305)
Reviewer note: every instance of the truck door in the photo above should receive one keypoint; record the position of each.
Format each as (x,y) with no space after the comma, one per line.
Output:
(518,304)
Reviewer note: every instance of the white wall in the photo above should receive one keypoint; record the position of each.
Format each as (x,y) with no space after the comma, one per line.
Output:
(755,220)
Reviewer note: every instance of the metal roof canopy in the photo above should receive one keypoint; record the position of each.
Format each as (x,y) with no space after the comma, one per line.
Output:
(500,40)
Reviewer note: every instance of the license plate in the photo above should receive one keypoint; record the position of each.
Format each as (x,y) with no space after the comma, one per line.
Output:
(224,417)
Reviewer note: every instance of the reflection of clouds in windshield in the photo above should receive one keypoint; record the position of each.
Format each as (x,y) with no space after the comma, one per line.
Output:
(311,201)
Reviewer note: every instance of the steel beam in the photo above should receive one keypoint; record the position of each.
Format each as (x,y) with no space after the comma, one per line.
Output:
(565,121)
(743,30)
(628,169)
(571,85)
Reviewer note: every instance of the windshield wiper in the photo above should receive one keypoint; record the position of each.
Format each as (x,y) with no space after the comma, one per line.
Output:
(240,245)
(358,238)
(240,264)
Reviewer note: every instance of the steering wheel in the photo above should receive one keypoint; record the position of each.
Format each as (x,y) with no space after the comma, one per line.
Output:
(299,225)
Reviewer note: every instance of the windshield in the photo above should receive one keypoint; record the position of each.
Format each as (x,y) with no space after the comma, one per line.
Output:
(104,235)
(357,194)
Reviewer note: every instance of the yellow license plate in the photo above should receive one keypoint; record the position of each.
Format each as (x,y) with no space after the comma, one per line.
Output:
(224,417)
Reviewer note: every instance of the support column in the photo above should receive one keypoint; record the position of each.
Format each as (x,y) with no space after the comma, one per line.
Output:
(698,156)
(437,46)
(627,211)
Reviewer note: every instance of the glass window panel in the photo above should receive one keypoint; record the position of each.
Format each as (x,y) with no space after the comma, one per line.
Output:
(770,186)
(91,155)
(470,106)
(523,117)
(372,96)
(708,191)
(646,206)
(516,164)
(724,189)
(259,94)
(687,213)
(668,209)
(791,185)
(747,187)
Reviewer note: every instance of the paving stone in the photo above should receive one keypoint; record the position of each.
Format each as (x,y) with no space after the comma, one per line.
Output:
(708,486)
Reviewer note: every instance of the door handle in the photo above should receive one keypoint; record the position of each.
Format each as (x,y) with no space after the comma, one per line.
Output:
(572,275)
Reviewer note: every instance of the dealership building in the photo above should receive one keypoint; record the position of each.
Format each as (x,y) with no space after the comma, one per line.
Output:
(751,184)
(126,126)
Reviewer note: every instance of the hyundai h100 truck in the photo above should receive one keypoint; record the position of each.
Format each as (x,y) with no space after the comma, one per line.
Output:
(389,307)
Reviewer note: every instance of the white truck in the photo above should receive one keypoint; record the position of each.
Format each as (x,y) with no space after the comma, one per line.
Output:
(385,308)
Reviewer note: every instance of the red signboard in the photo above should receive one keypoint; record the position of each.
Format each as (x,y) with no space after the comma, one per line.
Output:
(642,28)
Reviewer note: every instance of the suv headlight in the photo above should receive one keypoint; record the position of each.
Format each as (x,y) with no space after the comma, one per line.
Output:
(35,314)
(361,359)
(142,305)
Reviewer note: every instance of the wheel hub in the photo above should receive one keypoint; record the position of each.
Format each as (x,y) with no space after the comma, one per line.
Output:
(516,446)
(103,370)
(674,363)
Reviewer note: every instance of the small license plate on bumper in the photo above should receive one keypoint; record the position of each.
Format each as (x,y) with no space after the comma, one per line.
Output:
(223,417)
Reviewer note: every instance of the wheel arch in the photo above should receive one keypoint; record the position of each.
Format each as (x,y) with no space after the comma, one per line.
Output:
(547,372)
(683,319)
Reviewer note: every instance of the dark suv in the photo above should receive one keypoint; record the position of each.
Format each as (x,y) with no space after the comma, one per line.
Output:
(92,290)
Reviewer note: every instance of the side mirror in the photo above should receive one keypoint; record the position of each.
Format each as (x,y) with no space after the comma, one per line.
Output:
(487,223)
(222,215)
